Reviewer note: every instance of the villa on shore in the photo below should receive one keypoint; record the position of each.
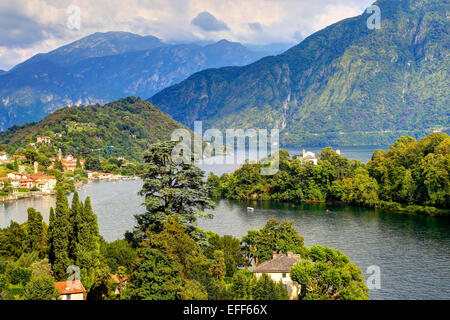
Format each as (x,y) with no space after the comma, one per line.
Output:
(45,183)
(278,269)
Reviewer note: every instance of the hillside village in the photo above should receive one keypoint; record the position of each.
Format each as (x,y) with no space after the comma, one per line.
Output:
(38,168)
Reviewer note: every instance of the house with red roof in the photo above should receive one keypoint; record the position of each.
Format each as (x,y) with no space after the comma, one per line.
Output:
(71,290)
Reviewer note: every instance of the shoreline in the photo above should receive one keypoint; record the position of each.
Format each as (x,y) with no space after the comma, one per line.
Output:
(382,205)
(37,194)
(31,194)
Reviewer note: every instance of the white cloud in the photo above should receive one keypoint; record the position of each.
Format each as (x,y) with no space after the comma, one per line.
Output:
(251,21)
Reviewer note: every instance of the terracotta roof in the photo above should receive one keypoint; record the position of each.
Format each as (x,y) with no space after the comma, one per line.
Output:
(41,175)
(69,287)
(280,263)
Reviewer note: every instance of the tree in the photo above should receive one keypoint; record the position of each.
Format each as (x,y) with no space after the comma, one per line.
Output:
(266,289)
(362,189)
(157,276)
(93,164)
(233,252)
(75,212)
(57,165)
(50,242)
(193,290)
(31,155)
(275,236)
(182,247)
(14,242)
(120,253)
(60,236)
(41,268)
(218,267)
(121,274)
(19,275)
(88,246)
(171,189)
(35,229)
(327,274)
(41,288)
(242,285)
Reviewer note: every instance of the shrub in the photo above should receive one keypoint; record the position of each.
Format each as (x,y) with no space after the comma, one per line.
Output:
(20,275)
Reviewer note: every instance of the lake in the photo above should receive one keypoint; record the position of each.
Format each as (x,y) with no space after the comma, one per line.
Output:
(412,251)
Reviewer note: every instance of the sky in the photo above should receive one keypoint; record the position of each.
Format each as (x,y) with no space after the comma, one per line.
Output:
(28,27)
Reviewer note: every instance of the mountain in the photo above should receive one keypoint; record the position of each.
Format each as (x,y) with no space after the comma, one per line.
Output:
(343,85)
(2,71)
(104,67)
(99,44)
(129,124)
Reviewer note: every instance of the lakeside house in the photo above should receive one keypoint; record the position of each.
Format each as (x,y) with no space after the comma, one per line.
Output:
(71,290)
(278,269)
(94,175)
(45,183)
(306,156)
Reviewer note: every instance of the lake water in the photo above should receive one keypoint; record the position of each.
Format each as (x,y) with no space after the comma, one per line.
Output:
(412,251)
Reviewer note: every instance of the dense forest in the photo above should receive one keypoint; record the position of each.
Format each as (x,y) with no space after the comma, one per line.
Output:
(411,176)
(130,125)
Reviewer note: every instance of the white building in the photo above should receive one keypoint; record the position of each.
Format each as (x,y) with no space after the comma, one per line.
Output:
(307,156)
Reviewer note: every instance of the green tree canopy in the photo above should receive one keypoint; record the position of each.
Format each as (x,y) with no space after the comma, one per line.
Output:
(171,189)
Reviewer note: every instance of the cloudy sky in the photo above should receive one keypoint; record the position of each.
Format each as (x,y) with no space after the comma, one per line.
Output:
(28,27)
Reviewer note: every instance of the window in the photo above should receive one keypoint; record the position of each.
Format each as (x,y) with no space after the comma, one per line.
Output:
(284,275)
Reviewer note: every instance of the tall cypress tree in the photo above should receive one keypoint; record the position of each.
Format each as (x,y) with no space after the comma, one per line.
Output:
(60,236)
(75,212)
(50,244)
(35,230)
(88,246)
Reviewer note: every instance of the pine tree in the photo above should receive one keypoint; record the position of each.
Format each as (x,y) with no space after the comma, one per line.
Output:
(60,235)
(88,246)
(171,189)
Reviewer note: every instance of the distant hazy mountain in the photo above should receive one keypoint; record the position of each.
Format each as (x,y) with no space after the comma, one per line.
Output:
(345,84)
(95,45)
(2,71)
(104,67)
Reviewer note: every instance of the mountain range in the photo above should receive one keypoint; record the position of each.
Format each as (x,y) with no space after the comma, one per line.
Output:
(104,67)
(343,85)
